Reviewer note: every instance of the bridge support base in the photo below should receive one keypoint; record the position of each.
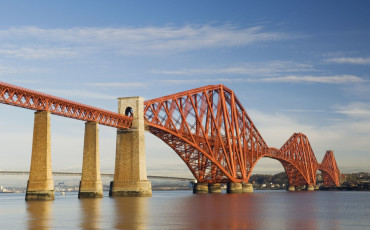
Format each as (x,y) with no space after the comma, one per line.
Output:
(234,187)
(291,188)
(91,185)
(40,185)
(200,188)
(130,178)
(310,188)
(247,187)
(214,188)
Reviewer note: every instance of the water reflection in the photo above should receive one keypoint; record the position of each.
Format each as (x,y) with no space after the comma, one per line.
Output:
(301,211)
(216,211)
(90,209)
(183,210)
(131,212)
(39,214)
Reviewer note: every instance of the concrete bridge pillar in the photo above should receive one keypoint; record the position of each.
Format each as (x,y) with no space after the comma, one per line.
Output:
(234,187)
(214,188)
(40,184)
(91,185)
(200,188)
(247,187)
(310,188)
(130,178)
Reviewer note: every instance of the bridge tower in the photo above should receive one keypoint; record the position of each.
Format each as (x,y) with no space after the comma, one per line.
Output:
(130,177)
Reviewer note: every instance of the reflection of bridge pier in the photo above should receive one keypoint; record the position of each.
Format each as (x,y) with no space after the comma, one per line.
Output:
(131,213)
(90,212)
(39,214)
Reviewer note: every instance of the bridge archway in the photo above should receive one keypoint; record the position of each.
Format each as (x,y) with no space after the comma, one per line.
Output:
(161,159)
(294,174)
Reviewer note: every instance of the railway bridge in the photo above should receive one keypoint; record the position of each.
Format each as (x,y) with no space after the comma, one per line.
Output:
(207,127)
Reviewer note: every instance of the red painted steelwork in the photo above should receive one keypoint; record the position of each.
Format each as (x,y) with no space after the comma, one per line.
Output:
(207,127)
(329,169)
(30,99)
(211,132)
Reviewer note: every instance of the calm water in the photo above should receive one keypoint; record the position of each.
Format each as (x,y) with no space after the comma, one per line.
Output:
(183,210)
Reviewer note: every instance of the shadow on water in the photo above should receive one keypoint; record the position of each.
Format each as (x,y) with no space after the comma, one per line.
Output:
(40,214)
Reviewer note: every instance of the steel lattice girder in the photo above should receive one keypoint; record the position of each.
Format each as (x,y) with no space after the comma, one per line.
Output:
(30,99)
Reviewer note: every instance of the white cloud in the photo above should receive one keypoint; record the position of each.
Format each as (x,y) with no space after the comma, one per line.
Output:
(356,109)
(303,110)
(120,84)
(191,81)
(77,93)
(37,53)
(273,68)
(6,69)
(335,79)
(129,40)
(349,60)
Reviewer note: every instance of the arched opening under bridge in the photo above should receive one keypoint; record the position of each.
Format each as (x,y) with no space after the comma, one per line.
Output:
(162,160)
(268,173)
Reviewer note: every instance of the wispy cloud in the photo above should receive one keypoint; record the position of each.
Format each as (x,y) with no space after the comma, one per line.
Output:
(273,68)
(335,79)
(303,110)
(6,69)
(349,60)
(119,84)
(193,81)
(37,53)
(77,93)
(25,41)
(356,109)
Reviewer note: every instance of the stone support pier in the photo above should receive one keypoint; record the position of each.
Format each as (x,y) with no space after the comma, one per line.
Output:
(91,185)
(247,187)
(310,188)
(40,184)
(200,188)
(291,188)
(214,188)
(234,187)
(130,178)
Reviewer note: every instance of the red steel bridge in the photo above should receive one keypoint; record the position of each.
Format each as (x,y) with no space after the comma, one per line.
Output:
(207,127)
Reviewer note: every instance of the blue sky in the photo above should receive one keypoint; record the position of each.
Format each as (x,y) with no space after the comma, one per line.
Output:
(295,66)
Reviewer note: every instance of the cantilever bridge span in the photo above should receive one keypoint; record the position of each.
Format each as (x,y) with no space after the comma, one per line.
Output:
(213,134)
(207,127)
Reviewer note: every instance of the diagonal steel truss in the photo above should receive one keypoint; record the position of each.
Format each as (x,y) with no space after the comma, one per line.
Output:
(211,132)
(329,169)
